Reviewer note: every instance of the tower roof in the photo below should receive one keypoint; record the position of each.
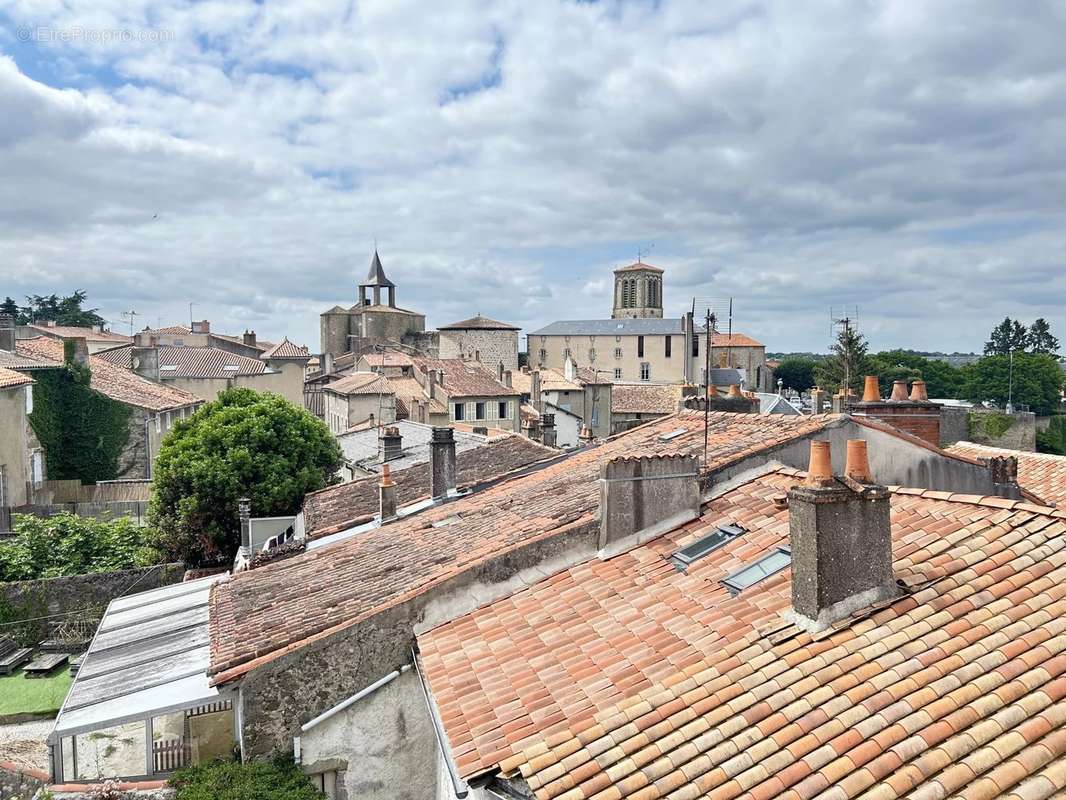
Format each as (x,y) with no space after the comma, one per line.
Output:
(638,265)
(376,275)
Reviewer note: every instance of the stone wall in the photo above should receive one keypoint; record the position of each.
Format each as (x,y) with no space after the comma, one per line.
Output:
(1021,435)
(492,347)
(17,782)
(133,460)
(51,596)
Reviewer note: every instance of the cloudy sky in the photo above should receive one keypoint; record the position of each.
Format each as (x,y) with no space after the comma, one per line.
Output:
(906,158)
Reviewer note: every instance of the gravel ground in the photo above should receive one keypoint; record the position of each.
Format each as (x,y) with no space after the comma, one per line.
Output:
(24,743)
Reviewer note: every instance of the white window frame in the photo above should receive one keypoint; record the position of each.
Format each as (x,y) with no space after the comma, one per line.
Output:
(645,371)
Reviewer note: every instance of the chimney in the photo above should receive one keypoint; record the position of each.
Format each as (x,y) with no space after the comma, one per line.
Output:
(144,358)
(534,390)
(734,391)
(548,435)
(249,338)
(49,323)
(97,328)
(918,417)
(872,391)
(244,513)
(441,463)
(201,326)
(919,394)
(841,540)
(326,363)
(387,494)
(76,351)
(499,371)
(7,332)
(431,383)
(390,444)
(817,400)
(507,379)
(569,368)
(899,391)
(648,495)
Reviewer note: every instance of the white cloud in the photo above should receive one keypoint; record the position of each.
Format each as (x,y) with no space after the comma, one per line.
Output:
(899,156)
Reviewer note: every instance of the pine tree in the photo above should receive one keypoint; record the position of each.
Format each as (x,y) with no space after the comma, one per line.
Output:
(1007,337)
(848,358)
(9,306)
(1040,339)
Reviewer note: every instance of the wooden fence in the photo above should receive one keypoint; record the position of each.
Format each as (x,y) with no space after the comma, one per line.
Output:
(170,754)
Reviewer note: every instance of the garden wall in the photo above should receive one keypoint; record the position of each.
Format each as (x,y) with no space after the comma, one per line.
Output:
(1015,431)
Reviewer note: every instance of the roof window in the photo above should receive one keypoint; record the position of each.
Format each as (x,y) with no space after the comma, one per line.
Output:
(753,573)
(666,437)
(684,557)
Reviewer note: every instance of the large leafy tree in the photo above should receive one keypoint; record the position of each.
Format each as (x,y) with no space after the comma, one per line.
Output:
(244,444)
(1037,381)
(847,356)
(1040,340)
(796,373)
(1010,336)
(66,310)
(942,379)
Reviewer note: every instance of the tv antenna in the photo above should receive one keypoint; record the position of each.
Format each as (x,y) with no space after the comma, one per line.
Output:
(643,251)
(130,315)
(846,319)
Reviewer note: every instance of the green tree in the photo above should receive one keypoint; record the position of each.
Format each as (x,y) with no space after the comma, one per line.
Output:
(847,356)
(942,379)
(796,373)
(71,545)
(1037,381)
(9,306)
(244,444)
(1007,337)
(280,779)
(1040,340)
(61,310)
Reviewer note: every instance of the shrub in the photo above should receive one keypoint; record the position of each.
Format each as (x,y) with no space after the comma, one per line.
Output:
(280,779)
(67,544)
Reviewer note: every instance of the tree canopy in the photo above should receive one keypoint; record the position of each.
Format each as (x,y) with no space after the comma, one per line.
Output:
(942,379)
(244,444)
(1037,381)
(1040,339)
(796,373)
(1011,336)
(847,357)
(63,310)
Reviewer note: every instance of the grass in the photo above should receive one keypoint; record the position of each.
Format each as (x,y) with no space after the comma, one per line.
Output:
(21,695)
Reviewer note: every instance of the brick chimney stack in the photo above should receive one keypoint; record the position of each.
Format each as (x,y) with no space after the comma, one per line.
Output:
(387,494)
(841,539)
(441,463)
(201,326)
(390,444)
(913,413)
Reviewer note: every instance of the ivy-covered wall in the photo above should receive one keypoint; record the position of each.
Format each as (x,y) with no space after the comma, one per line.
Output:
(83,432)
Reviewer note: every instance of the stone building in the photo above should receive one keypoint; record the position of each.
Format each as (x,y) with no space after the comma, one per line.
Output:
(638,292)
(374,320)
(493,343)
(95,337)
(21,457)
(359,397)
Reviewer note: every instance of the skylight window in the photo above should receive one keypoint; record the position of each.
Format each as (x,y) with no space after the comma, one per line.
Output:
(168,368)
(701,547)
(672,434)
(231,367)
(761,569)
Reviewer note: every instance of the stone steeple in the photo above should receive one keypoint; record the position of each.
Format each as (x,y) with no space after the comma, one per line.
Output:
(375,282)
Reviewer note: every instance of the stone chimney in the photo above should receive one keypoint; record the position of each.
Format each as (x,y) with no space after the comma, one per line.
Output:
(647,495)
(913,413)
(76,351)
(534,391)
(548,435)
(569,368)
(841,539)
(326,363)
(7,333)
(817,400)
(441,463)
(249,338)
(387,494)
(244,514)
(390,444)
(201,326)
(499,371)
(507,379)
(842,400)
(431,383)
(144,357)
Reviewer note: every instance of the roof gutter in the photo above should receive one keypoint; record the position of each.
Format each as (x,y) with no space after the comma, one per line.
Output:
(459,786)
(344,704)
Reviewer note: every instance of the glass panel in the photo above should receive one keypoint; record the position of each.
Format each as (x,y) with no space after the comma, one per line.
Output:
(194,736)
(754,573)
(115,752)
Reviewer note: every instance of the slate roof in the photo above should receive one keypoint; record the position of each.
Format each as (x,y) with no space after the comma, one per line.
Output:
(625,678)
(645,398)
(479,323)
(338,585)
(190,362)
(361,446)
(775,404)
(114,381)
(10,379)
(360,383)
(286,349)
(477,459)
(1043,473)
(376,275)
(88,334)
(466,378)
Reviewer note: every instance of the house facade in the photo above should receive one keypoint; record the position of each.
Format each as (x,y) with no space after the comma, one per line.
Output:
(492,343)
(357,398)
(21,456)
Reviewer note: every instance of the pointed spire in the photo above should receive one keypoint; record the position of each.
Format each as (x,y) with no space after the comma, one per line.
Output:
(376,275)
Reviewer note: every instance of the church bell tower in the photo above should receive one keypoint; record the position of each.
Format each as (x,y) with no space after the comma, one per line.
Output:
(638,292)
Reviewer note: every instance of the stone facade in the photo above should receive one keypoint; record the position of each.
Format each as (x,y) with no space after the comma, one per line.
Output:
(959,424)
(493,347)
(17,446)
(638,292)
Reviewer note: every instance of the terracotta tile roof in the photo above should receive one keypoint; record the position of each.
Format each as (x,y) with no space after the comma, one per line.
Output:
(21,361)
(360,383)
(286,349)
(479,323)
(408,390)
(343,583)
(735,340)
(9,378)
(466,378)
(89,334)
(190,362)
(627,679)
(638,265)
(113,381)
(338,507)
(388,358)
(551,380)
(1043,473)
(645,398)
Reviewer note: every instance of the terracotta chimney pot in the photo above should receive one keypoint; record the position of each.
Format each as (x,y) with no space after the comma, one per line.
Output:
(899,391)
(872,392)
(857,466)
(734,391)
(712,391)
(919,393)
(386,476)
(820,471)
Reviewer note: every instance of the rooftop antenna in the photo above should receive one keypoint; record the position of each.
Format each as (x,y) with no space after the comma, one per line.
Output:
(846,320)
(643,251)
(130,315)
